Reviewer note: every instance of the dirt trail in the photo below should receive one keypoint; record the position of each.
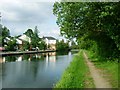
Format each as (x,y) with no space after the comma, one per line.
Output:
(99,81)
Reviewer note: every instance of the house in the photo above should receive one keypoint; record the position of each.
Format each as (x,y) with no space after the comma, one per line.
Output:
(19,44)
(25,38)
(51,42)
(7,39)
(21,40)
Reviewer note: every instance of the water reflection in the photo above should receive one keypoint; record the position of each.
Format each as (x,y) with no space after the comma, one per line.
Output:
(29,57)
(33,70)
(0,73)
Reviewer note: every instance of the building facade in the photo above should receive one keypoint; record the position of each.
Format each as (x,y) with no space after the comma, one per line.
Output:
(51,42)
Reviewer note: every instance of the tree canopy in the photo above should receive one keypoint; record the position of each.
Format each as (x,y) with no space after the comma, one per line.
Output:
(94,22)
(35,40)
(4,32)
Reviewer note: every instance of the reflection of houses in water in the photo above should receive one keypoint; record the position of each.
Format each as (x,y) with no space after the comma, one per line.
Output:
(52,53)
(49,54)
(33,57)
(29,59)
(19,58)
(50,59)
(10,58)
(1,60)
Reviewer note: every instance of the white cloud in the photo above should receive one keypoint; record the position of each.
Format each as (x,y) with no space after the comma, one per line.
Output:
(27,1)
(19,15)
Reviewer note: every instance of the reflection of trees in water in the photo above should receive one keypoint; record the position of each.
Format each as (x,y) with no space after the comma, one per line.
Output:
(3,71)
(26,56)
(34,68)
(36,57)
(62,53)
(33,57)
(65,52)
(10,58)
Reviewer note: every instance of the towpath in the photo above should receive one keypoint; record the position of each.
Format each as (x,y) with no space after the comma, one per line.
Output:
(99,81)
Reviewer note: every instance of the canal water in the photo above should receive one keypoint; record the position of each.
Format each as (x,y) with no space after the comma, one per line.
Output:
(33,70)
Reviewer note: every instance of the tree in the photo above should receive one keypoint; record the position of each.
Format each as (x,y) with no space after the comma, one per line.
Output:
(29,33)
(11,45)
(98,22)
(26,45)
(35,39)
(42,45)
(60,46)
(5,33)
(74,45)
(36,32)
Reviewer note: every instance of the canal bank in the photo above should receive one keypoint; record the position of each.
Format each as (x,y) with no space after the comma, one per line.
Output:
(24,52)
(76,75)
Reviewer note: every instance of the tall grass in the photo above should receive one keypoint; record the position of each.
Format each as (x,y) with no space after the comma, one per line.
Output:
(76,75)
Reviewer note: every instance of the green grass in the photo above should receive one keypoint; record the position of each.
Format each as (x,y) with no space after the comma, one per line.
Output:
(77,75)
(109,68)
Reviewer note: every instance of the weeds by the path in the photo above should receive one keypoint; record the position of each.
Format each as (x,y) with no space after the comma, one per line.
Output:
(76,75)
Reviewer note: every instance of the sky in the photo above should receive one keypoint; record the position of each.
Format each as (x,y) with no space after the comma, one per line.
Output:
(20,15)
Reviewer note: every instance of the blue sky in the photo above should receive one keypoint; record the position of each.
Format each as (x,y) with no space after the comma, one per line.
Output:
(19,15)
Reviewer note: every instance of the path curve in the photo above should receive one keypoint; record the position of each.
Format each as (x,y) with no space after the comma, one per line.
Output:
(99,81)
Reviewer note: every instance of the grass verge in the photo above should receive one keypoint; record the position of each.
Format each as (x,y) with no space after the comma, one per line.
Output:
(77,75)
(108,68)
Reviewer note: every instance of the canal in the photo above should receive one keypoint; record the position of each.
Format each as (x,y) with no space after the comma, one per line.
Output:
(41,70)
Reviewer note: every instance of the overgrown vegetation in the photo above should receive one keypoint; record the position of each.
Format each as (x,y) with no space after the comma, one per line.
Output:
(76,75)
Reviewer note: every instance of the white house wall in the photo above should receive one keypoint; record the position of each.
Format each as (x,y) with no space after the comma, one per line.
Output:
(52,41)
(19,41)
(25,38)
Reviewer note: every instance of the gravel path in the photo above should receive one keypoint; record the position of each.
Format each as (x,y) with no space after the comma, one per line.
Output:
(99,81)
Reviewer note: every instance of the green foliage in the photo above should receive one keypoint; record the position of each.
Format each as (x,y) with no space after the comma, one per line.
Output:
(35,40)
(29,33)
(42,45)
(62,46)
(10,58)
(5,33)
(26,45)
(91,22)
(75,75)
(11,45)
(74,46)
